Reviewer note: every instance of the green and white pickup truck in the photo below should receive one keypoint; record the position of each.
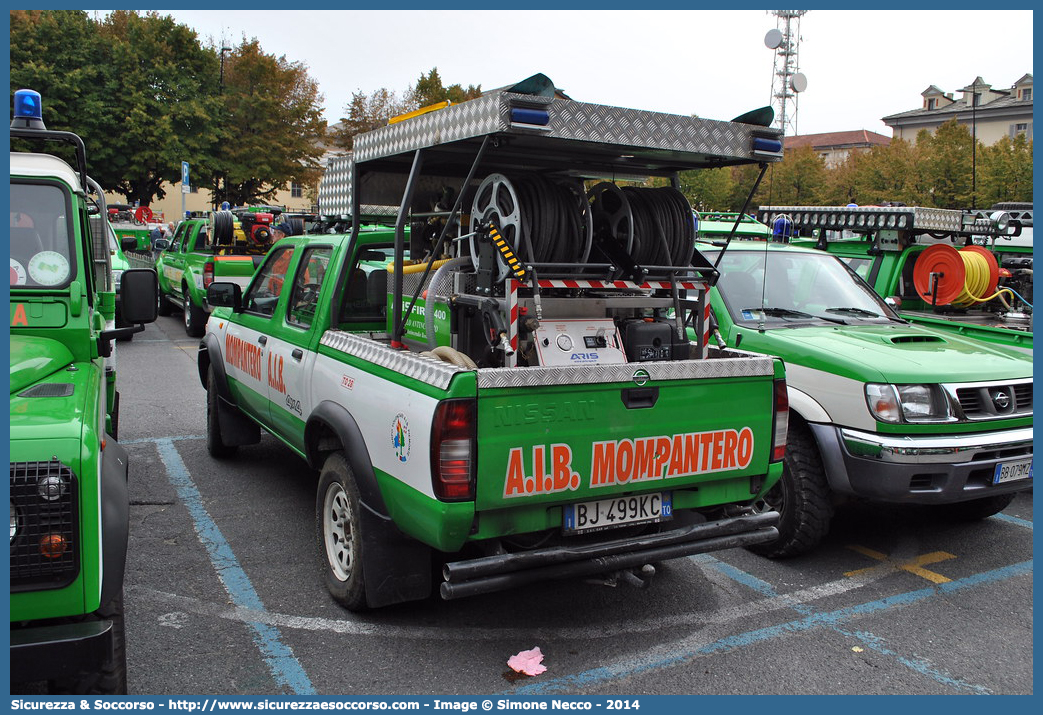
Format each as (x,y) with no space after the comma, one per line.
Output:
(880,408)
(68,489)
(519,402)
(968,272)
(195,257)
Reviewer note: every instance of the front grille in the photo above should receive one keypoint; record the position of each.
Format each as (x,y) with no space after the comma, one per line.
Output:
(994,400)
(39,521)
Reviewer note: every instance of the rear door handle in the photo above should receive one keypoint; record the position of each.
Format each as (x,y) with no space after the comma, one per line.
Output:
(297,354)
(640,398)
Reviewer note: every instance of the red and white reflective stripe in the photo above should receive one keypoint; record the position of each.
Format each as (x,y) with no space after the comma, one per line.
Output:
(706,325)
(512,323)
(687,285)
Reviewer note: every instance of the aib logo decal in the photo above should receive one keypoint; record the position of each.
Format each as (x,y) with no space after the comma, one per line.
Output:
(400,437)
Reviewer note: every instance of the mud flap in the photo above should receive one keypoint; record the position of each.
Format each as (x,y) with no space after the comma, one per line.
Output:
(115,517)
(236,428)
(397,568)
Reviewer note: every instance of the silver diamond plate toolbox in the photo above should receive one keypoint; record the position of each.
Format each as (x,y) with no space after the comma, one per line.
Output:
(702,140)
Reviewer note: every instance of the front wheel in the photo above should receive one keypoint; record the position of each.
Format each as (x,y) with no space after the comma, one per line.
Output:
(339,533)
(109,677)
(195,317)
(801,497)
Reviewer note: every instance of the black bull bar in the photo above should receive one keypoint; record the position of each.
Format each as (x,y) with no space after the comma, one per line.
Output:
(502,571)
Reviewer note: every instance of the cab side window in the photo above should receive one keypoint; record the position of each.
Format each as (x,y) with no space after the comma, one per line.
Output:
(267,284)
(304,296)
(366,294)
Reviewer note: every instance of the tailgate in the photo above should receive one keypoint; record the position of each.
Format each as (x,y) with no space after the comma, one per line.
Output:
(555,435)
(235,269)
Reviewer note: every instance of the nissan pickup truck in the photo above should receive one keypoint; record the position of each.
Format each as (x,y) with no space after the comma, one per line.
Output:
(68,488)
(501,385)
(880,408)
(201,251)
(967,272)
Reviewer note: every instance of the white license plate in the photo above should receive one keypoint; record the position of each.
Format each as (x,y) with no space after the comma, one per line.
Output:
(1012,471)
(608,513)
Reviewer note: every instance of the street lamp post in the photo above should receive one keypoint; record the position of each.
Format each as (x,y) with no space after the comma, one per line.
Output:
(223,182)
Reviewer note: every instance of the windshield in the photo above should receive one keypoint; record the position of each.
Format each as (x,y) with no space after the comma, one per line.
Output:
(41,247)
(799,287)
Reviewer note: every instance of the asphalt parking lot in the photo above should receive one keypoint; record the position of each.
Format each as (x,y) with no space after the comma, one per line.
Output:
(224,595)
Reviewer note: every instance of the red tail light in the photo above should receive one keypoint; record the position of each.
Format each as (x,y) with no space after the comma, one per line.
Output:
(208,273)
(778,442)
(453,453)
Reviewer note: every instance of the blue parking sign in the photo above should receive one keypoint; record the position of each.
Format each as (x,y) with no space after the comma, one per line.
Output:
(185,184)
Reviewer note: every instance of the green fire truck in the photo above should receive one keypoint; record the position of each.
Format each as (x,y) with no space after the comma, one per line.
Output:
(501,386)
(69,504)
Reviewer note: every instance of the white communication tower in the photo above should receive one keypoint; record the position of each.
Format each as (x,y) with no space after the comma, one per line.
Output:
(787,81)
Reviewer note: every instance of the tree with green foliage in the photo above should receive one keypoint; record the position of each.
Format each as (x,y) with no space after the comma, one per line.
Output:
(366,112)
(1005,171)
(799,180)
(708,189)
(135,87)
(429,90)
(273,118)
(946,162)
(161,96)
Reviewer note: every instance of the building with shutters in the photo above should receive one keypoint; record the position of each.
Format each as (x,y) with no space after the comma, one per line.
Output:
(989,113)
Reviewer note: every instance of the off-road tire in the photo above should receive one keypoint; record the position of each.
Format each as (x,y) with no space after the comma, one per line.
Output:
(801,495)
(977,509)
(195,317)
(215,445)
(110,676)
(163,306)
(338,527)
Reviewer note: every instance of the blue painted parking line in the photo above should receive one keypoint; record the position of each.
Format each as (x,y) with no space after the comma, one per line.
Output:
(284,666)
(636,664)
(1013,520)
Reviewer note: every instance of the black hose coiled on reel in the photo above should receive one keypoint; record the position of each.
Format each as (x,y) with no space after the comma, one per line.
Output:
(664,232)
(552,227)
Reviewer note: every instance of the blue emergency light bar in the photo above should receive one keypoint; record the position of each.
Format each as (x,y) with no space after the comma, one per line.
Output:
(28,110)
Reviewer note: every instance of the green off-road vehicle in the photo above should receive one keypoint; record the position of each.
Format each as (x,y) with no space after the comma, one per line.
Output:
(69,505)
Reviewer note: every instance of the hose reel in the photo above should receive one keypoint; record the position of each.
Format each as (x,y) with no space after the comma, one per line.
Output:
(543,221)
(946,276)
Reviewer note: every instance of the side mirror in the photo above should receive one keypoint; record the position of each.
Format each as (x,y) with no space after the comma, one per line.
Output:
(162,244)
(894,301)
(138,290)
(128,243)
(222,294)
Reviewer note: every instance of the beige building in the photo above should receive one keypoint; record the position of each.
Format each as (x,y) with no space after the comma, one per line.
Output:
(296,199)
(988,112)
(834,147)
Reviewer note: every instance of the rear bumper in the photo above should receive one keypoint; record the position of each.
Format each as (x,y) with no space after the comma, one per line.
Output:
(60,651)
(496,573)
(920,470)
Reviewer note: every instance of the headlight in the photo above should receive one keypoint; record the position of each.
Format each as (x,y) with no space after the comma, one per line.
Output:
(14,522)
(117,276)
(908,403)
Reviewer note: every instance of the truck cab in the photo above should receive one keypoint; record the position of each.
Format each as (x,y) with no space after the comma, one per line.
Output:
(880,408)
(69,504)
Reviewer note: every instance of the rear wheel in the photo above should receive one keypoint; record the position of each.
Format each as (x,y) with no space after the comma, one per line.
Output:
(977,508)
(801,497)
(339,533)
(195,317)
(109,677)
(215,444)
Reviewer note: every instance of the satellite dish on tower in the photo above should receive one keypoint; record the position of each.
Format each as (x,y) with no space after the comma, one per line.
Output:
(798,82)
(773,39)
